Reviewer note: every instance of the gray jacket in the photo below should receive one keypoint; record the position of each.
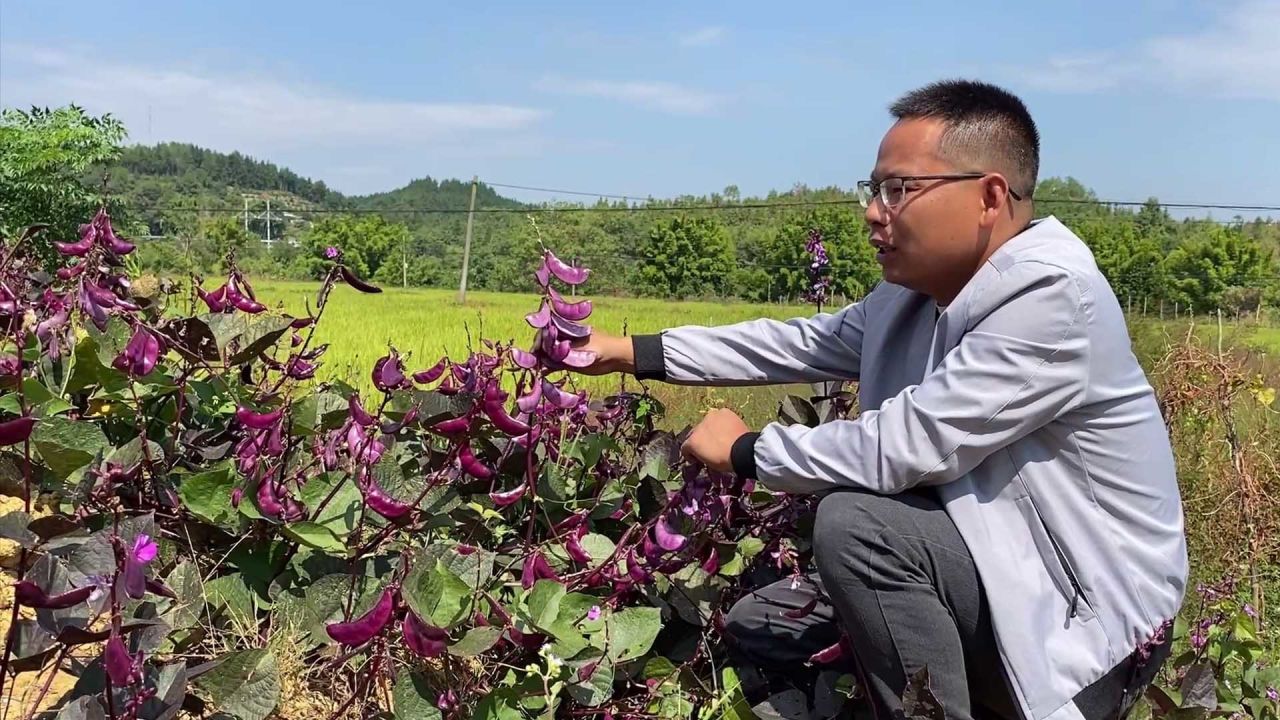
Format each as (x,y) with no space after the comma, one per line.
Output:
(1023,404)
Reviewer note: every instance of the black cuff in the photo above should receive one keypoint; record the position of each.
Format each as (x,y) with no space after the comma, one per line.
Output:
(742,456)
(650,364)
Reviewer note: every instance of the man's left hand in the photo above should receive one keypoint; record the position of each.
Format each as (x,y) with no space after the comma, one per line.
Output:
(711,441)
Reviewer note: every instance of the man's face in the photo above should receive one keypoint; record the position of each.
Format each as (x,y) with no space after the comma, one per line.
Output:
(931,241)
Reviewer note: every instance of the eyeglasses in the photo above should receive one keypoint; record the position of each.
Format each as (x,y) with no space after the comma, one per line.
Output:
(893,190)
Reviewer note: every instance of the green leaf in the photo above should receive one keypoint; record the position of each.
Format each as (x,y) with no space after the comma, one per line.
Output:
(437,595)
(558,482)
(435,407)
(498,705)
(574,609)
(241,336)
(746,549)
(304,414)
(394,481)
(694,594)
(231,592)
(83,708)
(544,604)
(130,454)
(590,448)
(56,406)
(67,445)
(660,456)
(413,698)
(597,687)
(730,703)
(659,668)
(315,535)
(170,683)
(475,569)
(110,342)
(184,580)
(795,410)
(342,512)
(597,546)
(207,495)
(14,526)
(1199,687)
(632,631)
(245,684)
(36,395)
(476,640)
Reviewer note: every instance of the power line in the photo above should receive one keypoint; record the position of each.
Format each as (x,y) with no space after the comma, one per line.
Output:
(635,198)
(1069,201)
(662,208)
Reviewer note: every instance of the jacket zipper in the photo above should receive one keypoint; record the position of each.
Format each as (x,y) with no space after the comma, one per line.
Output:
(1076,591)
(1071,577)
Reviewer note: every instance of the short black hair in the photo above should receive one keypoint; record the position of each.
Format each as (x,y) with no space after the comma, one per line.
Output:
(988,128)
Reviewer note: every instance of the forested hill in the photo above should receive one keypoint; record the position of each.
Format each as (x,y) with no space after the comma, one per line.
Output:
(429,194)
(152,179)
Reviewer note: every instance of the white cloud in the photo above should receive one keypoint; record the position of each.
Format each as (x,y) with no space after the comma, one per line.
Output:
(702,37)
(662,96)
(266,118)
(1237,56)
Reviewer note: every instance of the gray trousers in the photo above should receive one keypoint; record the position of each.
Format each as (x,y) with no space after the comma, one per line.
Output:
(895,574)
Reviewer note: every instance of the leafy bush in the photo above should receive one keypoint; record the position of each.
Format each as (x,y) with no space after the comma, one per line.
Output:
(476,539)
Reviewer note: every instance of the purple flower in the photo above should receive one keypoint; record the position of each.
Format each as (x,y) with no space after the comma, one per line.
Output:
(1272,694)
(1250,611)
(594,613)
(1199,638)
(332,253)
(819,284)
(144,549)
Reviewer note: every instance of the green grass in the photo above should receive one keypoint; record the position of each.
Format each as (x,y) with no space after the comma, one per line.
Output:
(425,323)
(1266,338)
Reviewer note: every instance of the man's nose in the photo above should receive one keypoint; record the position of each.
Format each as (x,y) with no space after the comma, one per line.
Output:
(876,213)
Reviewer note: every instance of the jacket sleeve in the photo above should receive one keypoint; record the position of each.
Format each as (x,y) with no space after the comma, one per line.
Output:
(827,346)
(1023,364)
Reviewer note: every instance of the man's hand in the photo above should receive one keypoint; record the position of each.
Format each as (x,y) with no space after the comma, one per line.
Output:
(613,354)
(711,441)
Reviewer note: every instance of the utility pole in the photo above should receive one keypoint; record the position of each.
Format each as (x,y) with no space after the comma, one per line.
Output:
(466,244)
(268,223)
(246,215)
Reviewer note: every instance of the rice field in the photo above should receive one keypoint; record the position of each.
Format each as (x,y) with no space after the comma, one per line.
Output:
(425,323)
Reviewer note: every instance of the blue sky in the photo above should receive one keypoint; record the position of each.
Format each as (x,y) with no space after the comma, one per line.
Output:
(1172,98)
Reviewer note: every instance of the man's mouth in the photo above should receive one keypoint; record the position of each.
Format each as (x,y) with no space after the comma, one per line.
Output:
(882,247)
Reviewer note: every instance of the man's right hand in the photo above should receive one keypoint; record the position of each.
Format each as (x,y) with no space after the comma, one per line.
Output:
(613,354)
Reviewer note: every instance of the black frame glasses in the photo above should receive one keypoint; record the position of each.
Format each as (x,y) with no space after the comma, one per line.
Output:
(868,189)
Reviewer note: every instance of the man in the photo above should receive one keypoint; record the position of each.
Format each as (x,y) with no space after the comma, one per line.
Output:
(1004,511)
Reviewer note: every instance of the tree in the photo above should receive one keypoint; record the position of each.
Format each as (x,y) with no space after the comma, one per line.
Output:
(1214,259)
(226,236)
(366,241)
(43,156)
(853,266)
(1132,263)
(686,257)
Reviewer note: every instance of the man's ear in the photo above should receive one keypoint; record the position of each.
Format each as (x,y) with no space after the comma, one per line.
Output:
(995,199)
